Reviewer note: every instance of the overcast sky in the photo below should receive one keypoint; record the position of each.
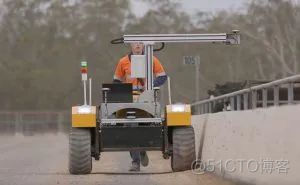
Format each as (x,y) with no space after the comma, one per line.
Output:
(191,6)
(211,5)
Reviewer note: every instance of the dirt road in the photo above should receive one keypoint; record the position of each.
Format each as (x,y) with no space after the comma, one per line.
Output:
(43,159)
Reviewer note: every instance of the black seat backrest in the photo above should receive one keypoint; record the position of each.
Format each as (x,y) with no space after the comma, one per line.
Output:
(118,93)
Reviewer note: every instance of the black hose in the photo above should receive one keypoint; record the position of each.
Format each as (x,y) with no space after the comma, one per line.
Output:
(117,41)
(121,41)
(161,48)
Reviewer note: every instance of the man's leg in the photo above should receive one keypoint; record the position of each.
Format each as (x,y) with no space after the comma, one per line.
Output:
(144,158)
(136,159)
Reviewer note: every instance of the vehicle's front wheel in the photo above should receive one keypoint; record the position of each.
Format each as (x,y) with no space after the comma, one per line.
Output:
(183,153)
(80,159)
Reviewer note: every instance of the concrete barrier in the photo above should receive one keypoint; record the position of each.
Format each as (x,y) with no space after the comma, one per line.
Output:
(259,146)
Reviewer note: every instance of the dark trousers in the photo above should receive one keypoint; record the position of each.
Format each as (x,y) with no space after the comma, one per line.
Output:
(136,156)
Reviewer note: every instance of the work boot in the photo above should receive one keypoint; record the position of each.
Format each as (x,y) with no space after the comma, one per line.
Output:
(134,167)
(144,158)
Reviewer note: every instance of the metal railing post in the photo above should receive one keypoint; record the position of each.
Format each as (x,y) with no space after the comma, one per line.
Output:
(254,99)
(210,107)
(276,95)
(265,97)
(291,93)
(238,102)
(206,108)
(201,108)
(197,110)
(232,107)
(245,97)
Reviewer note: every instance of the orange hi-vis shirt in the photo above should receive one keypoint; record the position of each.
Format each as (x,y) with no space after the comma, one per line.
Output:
(123,72)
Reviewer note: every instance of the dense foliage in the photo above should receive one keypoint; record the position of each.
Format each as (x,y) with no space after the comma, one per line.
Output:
(43,41)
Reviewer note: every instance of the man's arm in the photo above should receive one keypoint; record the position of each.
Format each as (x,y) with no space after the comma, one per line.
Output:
(160,74)
(119,73)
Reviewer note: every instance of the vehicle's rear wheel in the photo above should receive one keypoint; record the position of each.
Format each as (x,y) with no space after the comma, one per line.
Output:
(183,153)
(80,159)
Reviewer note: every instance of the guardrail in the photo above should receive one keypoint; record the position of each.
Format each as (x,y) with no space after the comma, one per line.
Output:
(29,122)
(251,98)
(34,116)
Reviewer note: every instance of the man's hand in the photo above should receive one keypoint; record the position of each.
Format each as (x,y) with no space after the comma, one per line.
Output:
(115,81)
(160,80)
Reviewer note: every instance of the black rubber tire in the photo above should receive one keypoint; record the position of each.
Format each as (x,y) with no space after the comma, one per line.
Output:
(80,159)
(183,153)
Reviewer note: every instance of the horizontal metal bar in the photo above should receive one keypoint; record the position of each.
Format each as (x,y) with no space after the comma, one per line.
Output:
(259,87)
(137,120)
(281,101)
(175,38)
(232,38)
(132,148)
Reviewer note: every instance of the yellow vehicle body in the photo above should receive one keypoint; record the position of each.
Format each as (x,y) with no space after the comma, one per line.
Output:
(85,118)
(178,115)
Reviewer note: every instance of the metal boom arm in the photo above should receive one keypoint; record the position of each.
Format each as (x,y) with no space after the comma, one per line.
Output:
(227,38)
(150,39)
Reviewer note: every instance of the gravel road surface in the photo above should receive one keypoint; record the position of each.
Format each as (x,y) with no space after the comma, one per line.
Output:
(43,159)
